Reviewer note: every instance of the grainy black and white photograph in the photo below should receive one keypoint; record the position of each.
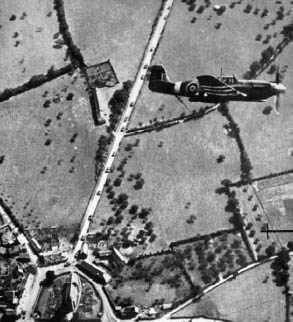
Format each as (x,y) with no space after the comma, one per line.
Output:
(146,160)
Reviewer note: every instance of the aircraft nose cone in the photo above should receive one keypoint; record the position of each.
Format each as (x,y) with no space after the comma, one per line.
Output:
(280,88)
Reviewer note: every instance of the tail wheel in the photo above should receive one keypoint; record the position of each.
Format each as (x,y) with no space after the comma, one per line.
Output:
(192,88)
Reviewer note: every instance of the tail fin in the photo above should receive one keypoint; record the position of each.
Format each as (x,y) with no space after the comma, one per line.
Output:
(158,73)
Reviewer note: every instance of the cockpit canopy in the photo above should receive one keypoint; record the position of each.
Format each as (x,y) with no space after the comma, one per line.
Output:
(229,80)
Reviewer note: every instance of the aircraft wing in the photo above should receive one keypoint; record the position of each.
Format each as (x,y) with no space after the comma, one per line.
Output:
(213,86)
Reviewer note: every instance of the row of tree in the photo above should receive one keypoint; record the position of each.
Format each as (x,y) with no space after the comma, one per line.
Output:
(35,81)
(74,52)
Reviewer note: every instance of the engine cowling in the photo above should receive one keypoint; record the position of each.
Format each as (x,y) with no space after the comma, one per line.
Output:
(192,88)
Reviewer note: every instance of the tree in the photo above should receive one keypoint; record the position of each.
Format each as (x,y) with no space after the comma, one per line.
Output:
(267,110)
(211,257)
(117,182)
(267,54)
(270,250)
(290,245)
(287,31)
(252,233)
(122,197)
(139,184)
(281,268)
(206,276)
(255,67)
(220,158)
(144,213)
(133,209)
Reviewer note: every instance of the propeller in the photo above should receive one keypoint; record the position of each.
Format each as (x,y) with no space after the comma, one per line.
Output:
(277,103)
(277,96)
(277,75)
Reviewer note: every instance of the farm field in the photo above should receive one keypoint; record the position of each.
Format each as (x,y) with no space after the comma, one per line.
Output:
(180,175)
(277,202)
(112,30)
(48,171)
(27,42)
(243,299)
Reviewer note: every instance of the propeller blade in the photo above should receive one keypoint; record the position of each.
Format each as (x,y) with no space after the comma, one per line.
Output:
(278,75)
(277,103)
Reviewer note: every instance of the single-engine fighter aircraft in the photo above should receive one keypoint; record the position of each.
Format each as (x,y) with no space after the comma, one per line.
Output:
(211,89)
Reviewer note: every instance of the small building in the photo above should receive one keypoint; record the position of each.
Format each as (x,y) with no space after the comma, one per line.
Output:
(23,257)
(10,312)
(104,254)
(118,257)
(36,246)
(167,306)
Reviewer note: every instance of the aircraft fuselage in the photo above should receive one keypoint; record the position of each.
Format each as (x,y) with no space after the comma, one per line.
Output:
(253,89)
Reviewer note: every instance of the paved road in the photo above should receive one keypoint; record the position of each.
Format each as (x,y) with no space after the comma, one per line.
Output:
(120,130)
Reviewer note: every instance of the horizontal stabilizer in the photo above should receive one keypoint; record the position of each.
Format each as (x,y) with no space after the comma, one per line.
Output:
(158,73)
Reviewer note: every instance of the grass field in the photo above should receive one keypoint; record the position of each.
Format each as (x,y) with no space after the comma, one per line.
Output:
(181,175)
(112,30)
(268,139)
(252,296)
(48,172)
(34,30)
